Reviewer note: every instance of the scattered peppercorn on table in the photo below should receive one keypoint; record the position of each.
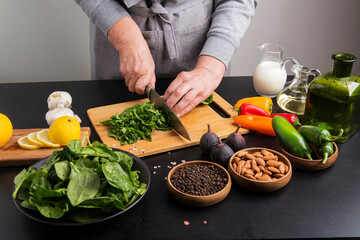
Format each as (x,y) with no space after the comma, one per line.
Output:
(322,204)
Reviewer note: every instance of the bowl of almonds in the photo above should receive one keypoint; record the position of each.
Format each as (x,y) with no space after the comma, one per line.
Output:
(260,169)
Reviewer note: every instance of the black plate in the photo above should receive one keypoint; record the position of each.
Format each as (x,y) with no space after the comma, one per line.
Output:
(144,176)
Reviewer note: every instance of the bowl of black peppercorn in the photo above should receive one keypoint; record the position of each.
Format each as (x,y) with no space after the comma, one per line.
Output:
(199,183)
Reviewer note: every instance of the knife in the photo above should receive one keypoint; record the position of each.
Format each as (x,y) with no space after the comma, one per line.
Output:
(159,103)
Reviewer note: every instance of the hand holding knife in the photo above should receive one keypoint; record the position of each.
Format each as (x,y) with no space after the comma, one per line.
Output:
(176,124)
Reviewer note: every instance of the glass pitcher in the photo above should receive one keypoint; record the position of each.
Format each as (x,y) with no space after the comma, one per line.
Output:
(293,98)
(269,79)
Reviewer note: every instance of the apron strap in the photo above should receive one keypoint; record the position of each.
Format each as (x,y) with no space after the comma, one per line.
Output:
(166,15)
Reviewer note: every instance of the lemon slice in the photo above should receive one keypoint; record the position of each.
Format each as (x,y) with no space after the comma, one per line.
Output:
(26,144)
(32,139)
(42,136)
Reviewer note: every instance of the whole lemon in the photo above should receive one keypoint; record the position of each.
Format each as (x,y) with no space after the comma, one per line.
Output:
(6,129)
(63,130)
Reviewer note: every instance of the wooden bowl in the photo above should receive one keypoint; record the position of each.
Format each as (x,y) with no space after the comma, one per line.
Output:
(257,185)
(194,200)
(311,165)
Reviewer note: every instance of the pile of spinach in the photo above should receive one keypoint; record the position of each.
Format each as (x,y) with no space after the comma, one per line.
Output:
(83,183)
(137,122)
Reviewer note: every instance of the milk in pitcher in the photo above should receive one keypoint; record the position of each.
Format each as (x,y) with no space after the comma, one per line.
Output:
(269,78)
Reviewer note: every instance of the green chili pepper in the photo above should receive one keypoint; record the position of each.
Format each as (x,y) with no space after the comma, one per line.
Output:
(326,150)
(290,139)
(317,135)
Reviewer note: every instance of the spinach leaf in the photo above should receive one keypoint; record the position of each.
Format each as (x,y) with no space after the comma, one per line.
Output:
(61,184)
(84,185)
(124,198)
(103,186)
(97,149)
(75,147)
(87,163)
(52,159)
(126,163)
(124,159)
(23,194)
(105,203)
(62,169)
(116,176)
(50,209)
(25,177)
(39,181)
(26,204)
(42,192)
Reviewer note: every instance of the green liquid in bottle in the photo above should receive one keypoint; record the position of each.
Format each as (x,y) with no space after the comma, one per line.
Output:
(333,99)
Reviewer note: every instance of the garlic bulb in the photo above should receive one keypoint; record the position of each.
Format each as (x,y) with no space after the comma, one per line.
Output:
(53,114)
(59,99)
(59,103)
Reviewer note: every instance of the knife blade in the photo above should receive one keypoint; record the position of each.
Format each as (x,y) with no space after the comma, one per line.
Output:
(176,124)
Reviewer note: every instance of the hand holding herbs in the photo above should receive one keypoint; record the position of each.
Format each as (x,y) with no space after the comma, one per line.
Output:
(83,183)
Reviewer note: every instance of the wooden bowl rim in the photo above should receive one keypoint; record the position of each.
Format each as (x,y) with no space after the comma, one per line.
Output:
(309,160)
(262,182)
(193,162)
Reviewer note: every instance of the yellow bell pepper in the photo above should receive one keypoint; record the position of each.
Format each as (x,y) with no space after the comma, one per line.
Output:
(262,102)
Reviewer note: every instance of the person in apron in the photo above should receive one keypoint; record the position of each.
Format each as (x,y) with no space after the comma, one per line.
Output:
(190,40)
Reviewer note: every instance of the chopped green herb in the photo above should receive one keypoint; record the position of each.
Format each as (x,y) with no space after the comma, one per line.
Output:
(208,100)
(137,122)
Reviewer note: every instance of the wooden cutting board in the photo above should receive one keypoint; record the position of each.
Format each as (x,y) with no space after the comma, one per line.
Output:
(195,122)
(11,154)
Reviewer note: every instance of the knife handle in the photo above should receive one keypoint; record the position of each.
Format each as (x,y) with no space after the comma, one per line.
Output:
(148,89)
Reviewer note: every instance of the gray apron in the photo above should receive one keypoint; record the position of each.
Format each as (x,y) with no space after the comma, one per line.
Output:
(174,30)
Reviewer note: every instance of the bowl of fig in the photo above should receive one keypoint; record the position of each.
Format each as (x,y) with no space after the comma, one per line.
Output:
(260,169)
(199,183)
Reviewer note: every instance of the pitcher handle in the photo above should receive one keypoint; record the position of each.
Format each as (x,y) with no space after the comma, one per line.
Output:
(315,72)
(288,59)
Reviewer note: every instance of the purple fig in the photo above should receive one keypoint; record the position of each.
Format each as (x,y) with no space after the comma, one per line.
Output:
(236,141)
(207,141)
(221,153)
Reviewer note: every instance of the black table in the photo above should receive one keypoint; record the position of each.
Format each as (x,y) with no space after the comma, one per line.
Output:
(324,204)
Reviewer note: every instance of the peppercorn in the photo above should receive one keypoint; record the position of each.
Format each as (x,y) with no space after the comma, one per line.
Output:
(199,179)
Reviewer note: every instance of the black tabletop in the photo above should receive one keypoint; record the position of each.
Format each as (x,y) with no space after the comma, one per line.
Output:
(322,204)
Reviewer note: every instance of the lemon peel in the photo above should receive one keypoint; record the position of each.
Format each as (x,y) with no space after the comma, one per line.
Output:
(42,136)
(32,139)
(26,144)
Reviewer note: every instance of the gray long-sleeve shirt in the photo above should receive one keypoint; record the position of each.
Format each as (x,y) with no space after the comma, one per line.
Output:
(177,31)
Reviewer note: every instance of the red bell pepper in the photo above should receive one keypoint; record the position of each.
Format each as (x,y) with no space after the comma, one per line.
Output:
(292,118)
(249,109)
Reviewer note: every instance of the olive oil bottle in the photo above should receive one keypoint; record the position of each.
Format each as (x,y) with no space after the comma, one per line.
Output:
(333,99)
